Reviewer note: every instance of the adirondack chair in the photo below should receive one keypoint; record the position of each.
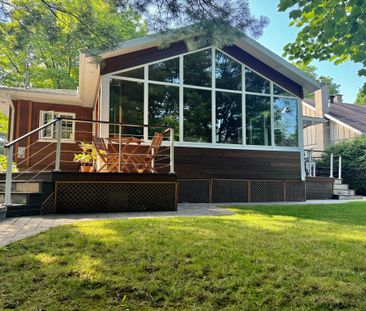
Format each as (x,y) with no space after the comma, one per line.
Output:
(142,163)
(109,161)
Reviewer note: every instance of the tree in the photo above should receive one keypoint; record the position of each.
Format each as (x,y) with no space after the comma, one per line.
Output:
(361,96)
(329,30)
(57,29)
(307,68)
(333,88)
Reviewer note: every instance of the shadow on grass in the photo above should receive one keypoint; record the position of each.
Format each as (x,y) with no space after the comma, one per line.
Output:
(352,213)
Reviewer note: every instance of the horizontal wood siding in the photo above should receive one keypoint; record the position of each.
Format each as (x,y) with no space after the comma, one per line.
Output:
(236,164)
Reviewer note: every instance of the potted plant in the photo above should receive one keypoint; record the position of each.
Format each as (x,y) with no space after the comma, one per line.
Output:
(86,157)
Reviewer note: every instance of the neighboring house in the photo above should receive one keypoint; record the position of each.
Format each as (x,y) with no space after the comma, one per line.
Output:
(236,112)
(341,121)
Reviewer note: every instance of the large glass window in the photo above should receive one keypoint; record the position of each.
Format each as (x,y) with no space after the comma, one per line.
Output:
(126,105)
(228,72)
(285,121)
(134,73)
(166,71)
(164,107)
(198,68)
(280,91)
(258,120)
(197,115)
(255,83)
(228,118)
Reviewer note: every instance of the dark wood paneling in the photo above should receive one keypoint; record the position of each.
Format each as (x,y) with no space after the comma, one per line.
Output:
(236,164)
(319,188)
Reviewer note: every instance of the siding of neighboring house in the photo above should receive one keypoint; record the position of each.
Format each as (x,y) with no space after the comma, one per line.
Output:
(311,132)
(339,132)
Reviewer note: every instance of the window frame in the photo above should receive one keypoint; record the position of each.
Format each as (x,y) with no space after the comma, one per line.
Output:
(213,90)
(56,114)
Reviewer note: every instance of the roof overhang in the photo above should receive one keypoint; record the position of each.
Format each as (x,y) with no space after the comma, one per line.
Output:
(309,121)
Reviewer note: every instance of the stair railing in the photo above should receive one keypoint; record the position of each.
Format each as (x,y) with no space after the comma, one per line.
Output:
(312,169)
(331,174)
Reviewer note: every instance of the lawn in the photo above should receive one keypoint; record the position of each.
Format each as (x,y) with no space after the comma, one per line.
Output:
(263,257)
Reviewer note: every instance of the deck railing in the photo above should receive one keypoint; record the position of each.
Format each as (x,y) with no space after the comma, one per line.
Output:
(52,146)
(317,164)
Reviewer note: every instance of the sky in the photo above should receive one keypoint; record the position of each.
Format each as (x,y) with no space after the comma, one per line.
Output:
(278,33)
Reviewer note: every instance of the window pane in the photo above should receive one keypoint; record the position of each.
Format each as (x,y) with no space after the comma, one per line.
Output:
(285,121)
(228,72)
(255,83)
(48,131)
(258,120)
(197,115)
(198,68)
(167,71)
(164,107)
(66,127)
(228,118)
(126,105)
(135,73)
(280,91)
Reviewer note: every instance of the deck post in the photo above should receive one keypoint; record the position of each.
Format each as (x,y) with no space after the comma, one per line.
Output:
(310,163)
(119,146)
(58,145)
(9,177)
(331,165)
(340,167)
(171,171)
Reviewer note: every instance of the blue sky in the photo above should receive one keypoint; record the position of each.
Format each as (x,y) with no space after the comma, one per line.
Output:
(279,33)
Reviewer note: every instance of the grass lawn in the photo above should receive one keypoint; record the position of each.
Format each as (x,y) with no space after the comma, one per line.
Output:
(264,257)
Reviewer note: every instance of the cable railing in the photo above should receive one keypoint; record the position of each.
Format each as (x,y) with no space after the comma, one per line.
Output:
(66,144)
(320,164)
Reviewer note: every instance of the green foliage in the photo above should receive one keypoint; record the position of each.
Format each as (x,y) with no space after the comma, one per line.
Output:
(280,257)
(329,30)
(56,31)
(88,155)
(361,96)
(4,164)
(353,154)
(333,88)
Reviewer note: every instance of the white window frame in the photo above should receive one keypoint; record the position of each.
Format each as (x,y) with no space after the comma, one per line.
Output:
(56,114)
(181,85)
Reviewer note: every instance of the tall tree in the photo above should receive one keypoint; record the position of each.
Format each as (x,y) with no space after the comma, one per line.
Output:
(361,96)
(329,30)
(333,88)
(57,29)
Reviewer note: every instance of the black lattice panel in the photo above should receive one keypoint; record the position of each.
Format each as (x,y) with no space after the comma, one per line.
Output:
(90,197)
(48,206)
(225,190)
(266,191)
(194,190)
(295,191)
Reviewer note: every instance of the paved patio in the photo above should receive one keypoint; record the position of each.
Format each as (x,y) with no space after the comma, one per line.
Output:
(17,228)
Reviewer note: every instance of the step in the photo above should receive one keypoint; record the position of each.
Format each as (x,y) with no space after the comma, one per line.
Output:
(341,186)
(23,197)
(344,192)
(348,197)
(23,186)
(338,181)
(17,210)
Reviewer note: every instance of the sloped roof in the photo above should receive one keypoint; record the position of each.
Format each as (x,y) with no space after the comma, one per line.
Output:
(350,114)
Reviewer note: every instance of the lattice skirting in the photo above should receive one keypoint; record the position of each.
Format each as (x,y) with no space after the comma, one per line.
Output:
(92,197)
(235,190)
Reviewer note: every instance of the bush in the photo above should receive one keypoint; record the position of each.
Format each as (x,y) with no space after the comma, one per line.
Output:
(353,154)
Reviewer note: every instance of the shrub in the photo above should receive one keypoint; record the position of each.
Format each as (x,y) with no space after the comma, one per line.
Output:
(353,154)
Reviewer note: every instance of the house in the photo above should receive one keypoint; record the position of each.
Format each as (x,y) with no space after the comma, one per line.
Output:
(341,121)
(236,113)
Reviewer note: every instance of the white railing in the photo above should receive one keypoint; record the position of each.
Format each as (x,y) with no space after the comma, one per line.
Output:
(57,152)
(312,169)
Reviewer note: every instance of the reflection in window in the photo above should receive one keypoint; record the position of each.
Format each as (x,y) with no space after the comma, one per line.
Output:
(255,83)
(258,120)
(228,118)
(280,91)
(228,72)
(166,71)
(197,115)
(134,73)
(285,121)
(164,107)
(126,105)
(198,68)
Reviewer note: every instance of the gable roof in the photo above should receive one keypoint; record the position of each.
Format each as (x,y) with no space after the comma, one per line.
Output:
(349,114)
(246,43)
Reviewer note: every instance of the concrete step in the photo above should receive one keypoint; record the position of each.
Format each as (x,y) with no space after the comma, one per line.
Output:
(344,192)
(17,210)
(23,197)
(23,186)
(348,197)
(341,186)
(338,181)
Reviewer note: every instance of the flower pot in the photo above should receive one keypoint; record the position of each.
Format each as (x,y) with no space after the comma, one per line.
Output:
(86,168)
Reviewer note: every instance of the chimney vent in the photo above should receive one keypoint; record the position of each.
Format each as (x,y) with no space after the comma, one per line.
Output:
(331,99)
(338,99)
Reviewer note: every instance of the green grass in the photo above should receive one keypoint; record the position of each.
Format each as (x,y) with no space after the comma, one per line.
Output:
(264,257)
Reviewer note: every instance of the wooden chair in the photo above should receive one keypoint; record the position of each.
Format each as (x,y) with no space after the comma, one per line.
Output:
(144,162)
(109,160)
